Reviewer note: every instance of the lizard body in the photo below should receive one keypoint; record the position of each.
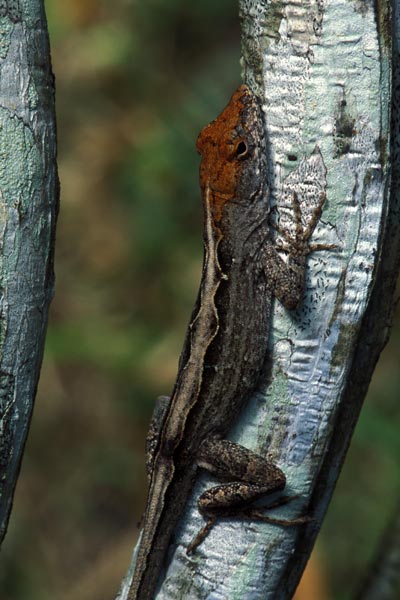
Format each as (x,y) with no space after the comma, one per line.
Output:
(224,354)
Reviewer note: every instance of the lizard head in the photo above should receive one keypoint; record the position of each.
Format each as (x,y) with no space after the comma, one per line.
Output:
(232,148)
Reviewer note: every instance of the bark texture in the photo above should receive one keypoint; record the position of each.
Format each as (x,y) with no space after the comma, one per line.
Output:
(327,75)
(28,208)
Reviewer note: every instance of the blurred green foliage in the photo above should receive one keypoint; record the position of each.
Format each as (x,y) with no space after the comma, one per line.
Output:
(135,83)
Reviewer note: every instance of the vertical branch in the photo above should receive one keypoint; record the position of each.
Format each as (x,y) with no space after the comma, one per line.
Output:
(28,208)
(327,75)
(323,74)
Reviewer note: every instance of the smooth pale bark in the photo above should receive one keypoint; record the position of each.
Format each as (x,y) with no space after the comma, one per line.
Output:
(28,209)
(324,74)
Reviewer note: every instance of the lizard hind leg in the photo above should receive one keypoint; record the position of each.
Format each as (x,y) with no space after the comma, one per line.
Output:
(250,513)
(247,477)
(229,461)
(152,441)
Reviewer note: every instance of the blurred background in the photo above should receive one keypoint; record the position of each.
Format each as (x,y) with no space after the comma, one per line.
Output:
(135,83)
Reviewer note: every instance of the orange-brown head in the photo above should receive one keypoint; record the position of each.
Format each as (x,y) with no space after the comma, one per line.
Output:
(232,148)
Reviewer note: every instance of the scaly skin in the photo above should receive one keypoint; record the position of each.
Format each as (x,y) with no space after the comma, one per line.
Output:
(225,348)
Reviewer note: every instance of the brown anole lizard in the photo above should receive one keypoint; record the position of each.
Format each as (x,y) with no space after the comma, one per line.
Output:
(224,354)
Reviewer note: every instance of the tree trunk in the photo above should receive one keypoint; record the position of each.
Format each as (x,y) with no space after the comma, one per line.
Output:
(324,73)
(29,193)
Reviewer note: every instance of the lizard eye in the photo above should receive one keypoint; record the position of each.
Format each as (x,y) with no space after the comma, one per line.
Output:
(241,149)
